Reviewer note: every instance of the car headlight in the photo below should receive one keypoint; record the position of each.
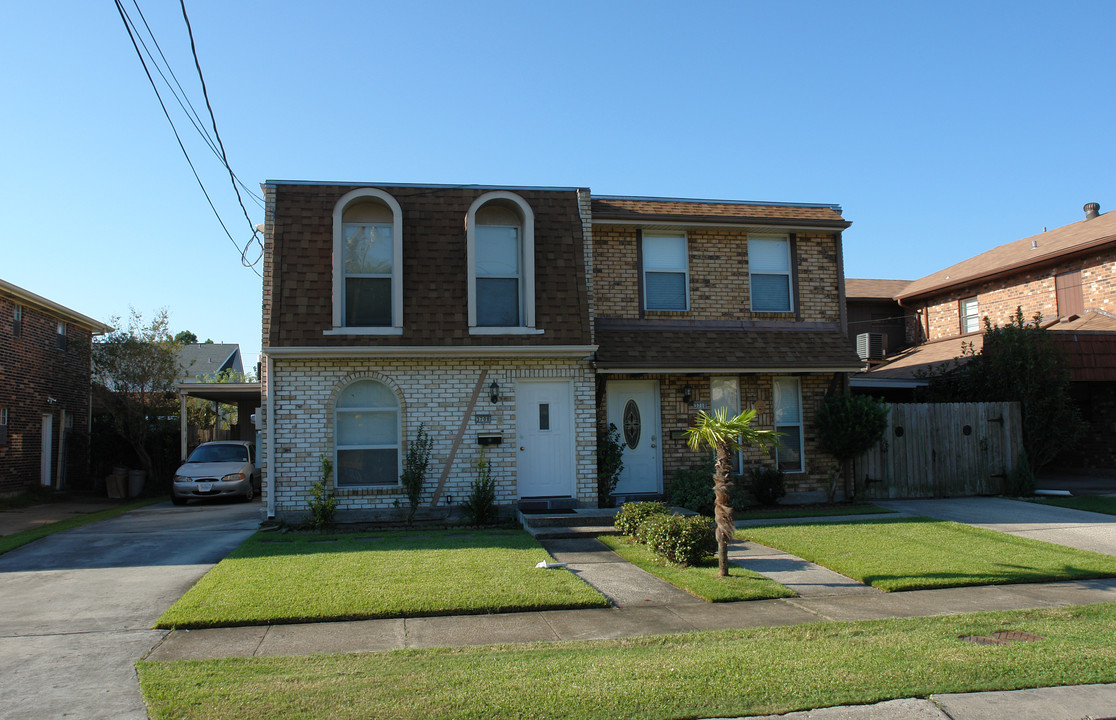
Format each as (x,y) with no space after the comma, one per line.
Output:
(183,479)
(233,477)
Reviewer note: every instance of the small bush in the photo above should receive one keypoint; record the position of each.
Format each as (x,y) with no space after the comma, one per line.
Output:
(680,539)
(633,515)
(480,506)
(610,463)
(414,469)
(1020,481)
(323,504)
(693,489)
(768,485)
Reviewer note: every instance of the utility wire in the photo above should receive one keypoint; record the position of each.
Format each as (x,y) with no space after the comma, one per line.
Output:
(128,26)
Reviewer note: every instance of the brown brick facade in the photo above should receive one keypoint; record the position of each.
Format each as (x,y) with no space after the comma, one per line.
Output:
(718,276)
(37,379)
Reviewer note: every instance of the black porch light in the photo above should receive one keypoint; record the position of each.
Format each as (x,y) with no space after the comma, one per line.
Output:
(494,392)
(688,394)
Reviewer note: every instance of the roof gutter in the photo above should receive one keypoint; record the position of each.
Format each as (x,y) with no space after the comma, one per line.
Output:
(30,298)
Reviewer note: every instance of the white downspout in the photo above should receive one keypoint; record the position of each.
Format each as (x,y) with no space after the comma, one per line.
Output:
(269,425)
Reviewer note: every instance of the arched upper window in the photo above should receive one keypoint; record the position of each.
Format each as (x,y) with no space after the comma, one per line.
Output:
(500,229)
(368,263)
(366,435)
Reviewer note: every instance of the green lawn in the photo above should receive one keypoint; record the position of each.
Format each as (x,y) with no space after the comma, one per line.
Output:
(712,674)
(824,511)
(700,580)
(297,577)
(919,553)
(11,542)
(1092,503)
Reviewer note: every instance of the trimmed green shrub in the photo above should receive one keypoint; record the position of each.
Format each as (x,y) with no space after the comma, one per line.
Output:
(631,517)
(323,503)
(1020,482)
(768,485)
(681,539)
(480,506)
(610,463)
(693,489)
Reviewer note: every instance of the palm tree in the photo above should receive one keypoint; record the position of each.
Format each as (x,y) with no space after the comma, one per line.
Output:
(723,435)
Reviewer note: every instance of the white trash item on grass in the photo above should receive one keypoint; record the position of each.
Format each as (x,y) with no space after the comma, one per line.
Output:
(549,565)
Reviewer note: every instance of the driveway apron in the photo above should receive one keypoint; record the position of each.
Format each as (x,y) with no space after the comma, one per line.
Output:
(78,606)
(1063,526)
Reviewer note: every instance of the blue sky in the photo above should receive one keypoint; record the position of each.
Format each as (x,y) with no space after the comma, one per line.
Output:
(942,129)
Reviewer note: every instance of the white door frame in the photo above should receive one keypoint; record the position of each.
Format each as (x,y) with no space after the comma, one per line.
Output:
(47,437)
(571,434)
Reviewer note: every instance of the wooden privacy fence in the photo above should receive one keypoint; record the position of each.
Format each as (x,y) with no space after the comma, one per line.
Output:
(942,450)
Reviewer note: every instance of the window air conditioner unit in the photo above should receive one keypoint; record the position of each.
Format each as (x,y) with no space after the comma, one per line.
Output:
(870,346)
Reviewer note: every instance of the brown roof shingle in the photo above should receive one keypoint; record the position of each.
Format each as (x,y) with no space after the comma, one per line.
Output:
(679,210)
(865,289)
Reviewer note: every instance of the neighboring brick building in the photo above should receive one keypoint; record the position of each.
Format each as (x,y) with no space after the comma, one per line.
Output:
(45,370)
(514,320)
(1066,275)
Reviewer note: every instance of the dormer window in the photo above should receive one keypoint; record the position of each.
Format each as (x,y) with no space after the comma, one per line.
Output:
(501,257)
(368,263)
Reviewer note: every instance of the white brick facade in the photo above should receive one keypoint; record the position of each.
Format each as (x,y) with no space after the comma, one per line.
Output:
(433,391)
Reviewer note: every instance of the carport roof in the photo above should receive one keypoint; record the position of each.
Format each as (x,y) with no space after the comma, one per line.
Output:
(223,392)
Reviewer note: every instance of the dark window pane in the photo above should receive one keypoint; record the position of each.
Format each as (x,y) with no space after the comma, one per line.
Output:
(497,302)
(367,467)
(789,456)
(368,302)
(666,291)
(771,293)
(544,416)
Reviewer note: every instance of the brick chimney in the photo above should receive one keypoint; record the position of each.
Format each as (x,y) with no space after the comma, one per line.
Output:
(1092,210)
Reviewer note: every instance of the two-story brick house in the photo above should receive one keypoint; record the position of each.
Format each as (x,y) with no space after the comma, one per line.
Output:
(45,373)
(1067,275)
(513,321)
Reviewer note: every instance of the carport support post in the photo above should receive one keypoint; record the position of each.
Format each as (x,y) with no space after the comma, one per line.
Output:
(182,424)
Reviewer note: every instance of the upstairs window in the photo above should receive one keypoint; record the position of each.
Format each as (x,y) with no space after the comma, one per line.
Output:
(788,422)
(17,321)
(970,315)
(666,281)
(61,336)
(367,262)
(769,273)
(366,423)
(500,232)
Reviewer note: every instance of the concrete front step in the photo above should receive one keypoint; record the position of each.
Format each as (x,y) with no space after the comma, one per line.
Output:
(557,532)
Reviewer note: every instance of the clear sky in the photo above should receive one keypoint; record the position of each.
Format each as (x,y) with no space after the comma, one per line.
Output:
(942,129)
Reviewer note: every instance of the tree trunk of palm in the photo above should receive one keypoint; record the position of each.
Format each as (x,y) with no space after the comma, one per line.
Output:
(722,509)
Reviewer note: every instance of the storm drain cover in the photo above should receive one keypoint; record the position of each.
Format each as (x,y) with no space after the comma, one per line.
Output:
(1002,637)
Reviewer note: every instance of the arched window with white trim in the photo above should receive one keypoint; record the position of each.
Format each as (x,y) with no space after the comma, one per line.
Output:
(366,435)
(368,263)
(500,229)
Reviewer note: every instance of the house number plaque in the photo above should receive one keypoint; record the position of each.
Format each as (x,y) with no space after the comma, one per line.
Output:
(482,419)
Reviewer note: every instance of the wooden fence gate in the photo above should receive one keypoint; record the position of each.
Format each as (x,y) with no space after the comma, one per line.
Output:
(942,450)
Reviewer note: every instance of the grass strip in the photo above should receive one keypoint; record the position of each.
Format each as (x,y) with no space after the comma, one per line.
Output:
(919,553)
(827,511)
(708,674)
(1091,503)
(700,580)
(308,577)
(11,542)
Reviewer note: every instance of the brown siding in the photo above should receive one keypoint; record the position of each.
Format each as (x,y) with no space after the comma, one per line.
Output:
(298,291)
(33,369)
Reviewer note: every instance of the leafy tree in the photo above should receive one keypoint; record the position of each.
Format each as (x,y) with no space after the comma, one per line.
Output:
(134,371)
(848,425)
(185,338)
(1019,362)
(723,435)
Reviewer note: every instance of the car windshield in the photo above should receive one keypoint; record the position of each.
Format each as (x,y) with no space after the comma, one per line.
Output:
(219,453)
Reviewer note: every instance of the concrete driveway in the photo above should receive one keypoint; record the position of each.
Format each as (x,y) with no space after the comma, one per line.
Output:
(76,608)
(1074,528)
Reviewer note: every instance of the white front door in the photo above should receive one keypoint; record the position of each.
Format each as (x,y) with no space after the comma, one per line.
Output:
(544,436)
(633,407)
(44,453)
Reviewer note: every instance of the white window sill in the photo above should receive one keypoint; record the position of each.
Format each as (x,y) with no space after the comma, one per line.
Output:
(504,331)
(365,331)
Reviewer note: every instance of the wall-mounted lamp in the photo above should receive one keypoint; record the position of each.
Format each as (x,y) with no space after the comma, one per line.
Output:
(494,392)
(688,394)
(449,499)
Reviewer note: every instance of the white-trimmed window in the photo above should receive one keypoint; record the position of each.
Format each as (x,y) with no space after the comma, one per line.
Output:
(970,315)
(368,263)
(17,321)
(366,427)
(724,392)
(500,234)
(769,273)
(788,422)
(666,271)
(61,336)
